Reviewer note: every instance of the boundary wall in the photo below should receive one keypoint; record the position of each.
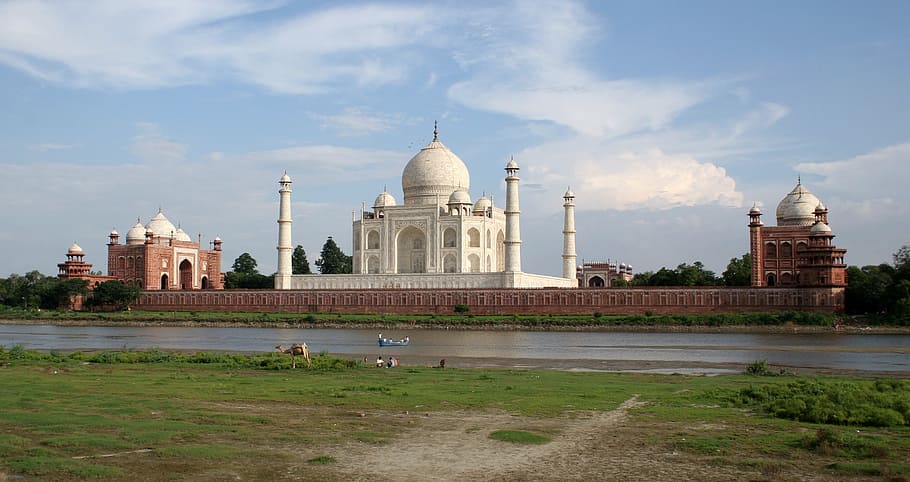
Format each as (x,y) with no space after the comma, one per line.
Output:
(656,300)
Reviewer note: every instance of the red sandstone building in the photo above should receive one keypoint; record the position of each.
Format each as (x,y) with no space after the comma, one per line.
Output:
(75,267)
(157,256)
(602,274)
(160,256)
(798,251)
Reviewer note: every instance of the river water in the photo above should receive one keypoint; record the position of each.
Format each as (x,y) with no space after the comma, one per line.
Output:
(867,353)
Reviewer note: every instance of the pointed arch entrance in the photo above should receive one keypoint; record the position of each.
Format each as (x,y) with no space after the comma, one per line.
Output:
(186,275)
(411,247)
(164,281)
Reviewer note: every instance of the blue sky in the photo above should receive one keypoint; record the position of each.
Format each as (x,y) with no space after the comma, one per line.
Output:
(667,119)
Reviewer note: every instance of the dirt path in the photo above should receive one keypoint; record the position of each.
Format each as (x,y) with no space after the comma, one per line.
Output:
(456,446)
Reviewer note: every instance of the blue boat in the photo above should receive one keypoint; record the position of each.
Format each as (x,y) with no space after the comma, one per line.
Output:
(387,342)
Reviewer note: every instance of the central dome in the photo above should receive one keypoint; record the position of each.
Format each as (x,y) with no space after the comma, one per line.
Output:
(161,226)
(797,208)
(433,174)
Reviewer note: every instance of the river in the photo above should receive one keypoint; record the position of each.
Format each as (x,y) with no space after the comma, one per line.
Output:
(889,354)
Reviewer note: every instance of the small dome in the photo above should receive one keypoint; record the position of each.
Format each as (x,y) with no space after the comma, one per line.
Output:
(460,196)
(285,178)
(75,249)
(512,164)
(821,207)
(755,209)
(160,226)
(384,199)
(820,228)
(569,194)
(482,205)
(136,234)
(114,233)
(797,208)
(434,171)
(182,236)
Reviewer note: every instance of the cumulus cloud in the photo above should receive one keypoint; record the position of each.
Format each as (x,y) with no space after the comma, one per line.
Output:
(606,179)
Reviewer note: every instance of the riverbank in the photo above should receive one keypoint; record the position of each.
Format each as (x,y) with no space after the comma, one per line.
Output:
(480,325)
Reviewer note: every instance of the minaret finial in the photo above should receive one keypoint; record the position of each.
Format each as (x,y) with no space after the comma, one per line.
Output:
(435,130)
(799,179)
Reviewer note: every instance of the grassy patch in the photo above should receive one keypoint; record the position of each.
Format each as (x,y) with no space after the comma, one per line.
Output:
(519,437)
(199,452)
(704,445)
(321,460)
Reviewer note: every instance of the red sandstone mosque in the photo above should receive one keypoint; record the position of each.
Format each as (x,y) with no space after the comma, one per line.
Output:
(157,256)
(798,251)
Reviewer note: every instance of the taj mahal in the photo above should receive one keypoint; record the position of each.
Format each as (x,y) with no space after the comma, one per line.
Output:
(437,238)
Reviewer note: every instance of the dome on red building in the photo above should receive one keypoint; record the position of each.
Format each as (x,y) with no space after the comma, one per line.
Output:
(797,208)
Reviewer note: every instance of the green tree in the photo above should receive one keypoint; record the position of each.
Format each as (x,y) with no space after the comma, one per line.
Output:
(902,257)
(684,275)
(55,293)
(299,263)
(113,295)
(332,260)
(868,289)
(245,264)
(642,279)
(739,271)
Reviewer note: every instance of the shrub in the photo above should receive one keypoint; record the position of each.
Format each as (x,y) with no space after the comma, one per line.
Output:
(461,308)
(867,403)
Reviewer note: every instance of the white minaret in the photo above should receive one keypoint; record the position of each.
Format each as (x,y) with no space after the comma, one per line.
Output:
(568,237)
(513,230)
(283,277)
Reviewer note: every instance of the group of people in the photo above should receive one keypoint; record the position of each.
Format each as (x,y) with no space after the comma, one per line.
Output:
(391,363)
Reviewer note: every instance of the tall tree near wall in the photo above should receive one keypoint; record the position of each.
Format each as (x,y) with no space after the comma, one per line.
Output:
(245,264)
(739,271)
(332,260)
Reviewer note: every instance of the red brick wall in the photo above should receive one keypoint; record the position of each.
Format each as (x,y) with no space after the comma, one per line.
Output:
(503,301)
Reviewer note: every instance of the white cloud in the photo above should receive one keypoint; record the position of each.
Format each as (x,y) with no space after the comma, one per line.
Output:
(868,200)
(49,146)
(151,146)
(526,62)
(606,179)
(867,176)
(766,116)
(357,122)
(323,163)
(140,45)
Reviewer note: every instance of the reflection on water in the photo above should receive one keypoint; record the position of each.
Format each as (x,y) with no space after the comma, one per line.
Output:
(860,352)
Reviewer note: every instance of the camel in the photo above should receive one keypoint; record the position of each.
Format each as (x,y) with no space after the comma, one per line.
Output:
(294,350)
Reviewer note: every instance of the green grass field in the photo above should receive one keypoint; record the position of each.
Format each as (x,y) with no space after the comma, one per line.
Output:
(205,416)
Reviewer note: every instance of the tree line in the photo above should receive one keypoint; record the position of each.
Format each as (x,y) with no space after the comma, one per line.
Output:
(37,291)
(738,273)
(882,290)
(245,275)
